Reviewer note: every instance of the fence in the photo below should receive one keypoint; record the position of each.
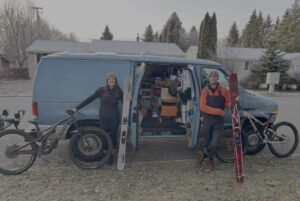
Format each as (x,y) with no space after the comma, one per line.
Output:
(14,74)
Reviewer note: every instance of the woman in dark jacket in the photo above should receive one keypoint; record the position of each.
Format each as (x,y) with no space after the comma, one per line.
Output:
(108,112)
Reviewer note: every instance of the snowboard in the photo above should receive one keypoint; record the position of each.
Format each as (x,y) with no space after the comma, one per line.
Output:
(236,128)
(124,125)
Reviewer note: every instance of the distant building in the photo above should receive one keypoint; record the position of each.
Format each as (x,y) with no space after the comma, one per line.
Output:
(240,60)
(41,48)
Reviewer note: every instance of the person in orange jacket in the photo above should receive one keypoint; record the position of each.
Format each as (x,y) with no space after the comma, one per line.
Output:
(214,99)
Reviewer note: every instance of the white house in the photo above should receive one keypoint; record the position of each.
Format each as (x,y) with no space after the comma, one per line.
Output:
(41,48)
(240,60)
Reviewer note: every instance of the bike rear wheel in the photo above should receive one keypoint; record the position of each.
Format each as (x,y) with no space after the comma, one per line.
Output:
(285,140)
(16,153)
(91,148)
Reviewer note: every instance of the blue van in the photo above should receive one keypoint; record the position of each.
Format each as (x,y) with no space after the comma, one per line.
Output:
(63,80)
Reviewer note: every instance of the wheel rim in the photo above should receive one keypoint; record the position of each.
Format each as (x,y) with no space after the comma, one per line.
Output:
(253,140)
(283,140)
(90,144)
(10,160)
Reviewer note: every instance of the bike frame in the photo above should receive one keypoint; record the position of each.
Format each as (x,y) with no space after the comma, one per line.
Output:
(50,131)
(265,125)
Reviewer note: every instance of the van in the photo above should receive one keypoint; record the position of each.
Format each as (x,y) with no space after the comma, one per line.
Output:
(63,80)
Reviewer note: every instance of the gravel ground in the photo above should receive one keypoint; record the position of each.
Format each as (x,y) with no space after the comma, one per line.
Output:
(160,170)
(158,178)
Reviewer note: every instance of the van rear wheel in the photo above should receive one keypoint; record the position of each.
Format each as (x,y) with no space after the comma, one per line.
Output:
(91,148)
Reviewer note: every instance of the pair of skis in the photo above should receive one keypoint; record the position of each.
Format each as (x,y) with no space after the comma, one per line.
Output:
(236,128)
(125,118)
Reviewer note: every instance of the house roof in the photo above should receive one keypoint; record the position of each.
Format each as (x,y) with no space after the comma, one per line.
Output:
(245,54)
(53,46)
(108,46)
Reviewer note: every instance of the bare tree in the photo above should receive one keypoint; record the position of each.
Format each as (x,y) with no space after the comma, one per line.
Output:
(19,28)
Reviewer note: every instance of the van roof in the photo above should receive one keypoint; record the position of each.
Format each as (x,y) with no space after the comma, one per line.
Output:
(134,58)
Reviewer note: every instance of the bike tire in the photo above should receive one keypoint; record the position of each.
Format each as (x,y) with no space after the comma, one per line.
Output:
(294,146)
(27,138)
(96,160)
(225,151)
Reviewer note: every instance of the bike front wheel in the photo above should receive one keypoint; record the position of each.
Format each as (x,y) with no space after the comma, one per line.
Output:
(284,140)
(17,154)
(225,151)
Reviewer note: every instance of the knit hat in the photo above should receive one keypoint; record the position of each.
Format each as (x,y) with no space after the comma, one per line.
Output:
(111,75)
(214,73)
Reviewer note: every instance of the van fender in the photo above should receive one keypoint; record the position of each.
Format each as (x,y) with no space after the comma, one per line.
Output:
(82,123)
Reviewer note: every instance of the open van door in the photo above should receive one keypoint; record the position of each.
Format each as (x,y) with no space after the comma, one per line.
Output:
(138,73)
(192,108)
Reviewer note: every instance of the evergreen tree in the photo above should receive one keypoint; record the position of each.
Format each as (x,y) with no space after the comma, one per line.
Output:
(288,32)
(249,35)
(193,36)
(268,30)
(213,36)
(233,39)
(107,35)
(272,61)
(148,34)
(204,38)
(156,37)
(183,40)
(172,29)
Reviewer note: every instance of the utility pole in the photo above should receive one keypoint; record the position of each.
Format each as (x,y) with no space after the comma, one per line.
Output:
(38,19)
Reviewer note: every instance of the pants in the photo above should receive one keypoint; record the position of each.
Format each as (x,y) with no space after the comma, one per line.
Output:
(212,130)
(110,125)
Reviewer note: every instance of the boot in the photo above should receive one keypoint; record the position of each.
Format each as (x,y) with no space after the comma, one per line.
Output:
(211,165)
(111,159)
(201,159)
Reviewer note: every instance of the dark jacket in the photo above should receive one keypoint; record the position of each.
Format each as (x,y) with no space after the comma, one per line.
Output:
(109,101)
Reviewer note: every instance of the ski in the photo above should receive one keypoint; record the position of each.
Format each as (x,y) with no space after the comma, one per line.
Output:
(236,128)
(124,125)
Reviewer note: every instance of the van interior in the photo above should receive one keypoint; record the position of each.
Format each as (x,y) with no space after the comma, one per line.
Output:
(164,99)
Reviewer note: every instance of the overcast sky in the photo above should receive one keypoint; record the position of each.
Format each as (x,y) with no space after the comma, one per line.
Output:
(126,18)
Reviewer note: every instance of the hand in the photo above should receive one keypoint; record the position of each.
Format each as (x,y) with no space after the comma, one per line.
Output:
(222,113)
(237,99)
(74,110)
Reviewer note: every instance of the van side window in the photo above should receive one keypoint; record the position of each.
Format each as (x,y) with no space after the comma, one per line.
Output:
(223,78)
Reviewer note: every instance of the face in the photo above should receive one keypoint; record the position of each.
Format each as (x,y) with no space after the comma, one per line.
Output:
(111,82)
(213,79)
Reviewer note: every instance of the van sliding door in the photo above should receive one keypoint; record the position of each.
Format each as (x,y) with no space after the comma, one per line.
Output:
(193,111)
(138,73)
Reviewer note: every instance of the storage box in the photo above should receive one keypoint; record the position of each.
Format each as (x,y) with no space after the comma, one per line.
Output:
(166,96)
(168,111)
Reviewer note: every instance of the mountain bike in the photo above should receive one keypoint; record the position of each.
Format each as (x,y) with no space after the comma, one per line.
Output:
(6,122)
(282,138)
(89,147)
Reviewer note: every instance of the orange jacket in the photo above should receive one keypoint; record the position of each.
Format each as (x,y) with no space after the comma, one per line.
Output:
(210,110)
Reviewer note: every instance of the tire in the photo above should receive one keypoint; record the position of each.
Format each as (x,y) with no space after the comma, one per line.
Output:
(225,152)
(279,136)
(254,143)
(85,158)
(7,144)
